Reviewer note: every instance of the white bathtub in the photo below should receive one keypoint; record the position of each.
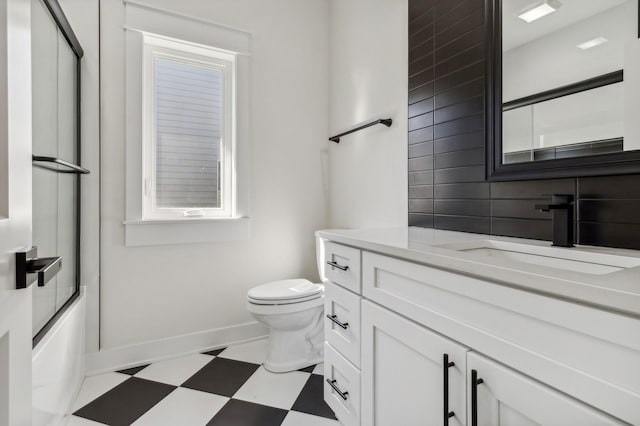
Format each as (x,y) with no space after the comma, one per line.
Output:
(59,366)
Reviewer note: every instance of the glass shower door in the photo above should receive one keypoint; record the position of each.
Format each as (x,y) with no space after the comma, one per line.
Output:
(56,178)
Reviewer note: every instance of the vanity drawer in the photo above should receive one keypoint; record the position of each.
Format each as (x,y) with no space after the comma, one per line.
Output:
(342,321)
(341,387)
(342,265)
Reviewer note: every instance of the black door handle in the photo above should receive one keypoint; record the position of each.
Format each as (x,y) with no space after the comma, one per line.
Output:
(474,397)
(445,391)
(46,268)
(30,268)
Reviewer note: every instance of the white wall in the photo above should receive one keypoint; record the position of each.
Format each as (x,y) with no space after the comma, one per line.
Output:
(368,77)
(150,293)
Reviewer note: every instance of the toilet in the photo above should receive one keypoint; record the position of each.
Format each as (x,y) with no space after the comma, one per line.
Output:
(293,311)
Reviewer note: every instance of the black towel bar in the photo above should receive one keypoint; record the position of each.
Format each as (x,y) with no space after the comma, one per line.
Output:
(71,168)
(386,121)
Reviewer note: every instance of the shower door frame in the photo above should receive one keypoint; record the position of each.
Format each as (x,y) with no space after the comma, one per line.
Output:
(65,28)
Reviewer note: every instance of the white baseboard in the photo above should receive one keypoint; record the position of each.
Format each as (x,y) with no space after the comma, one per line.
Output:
(145,353)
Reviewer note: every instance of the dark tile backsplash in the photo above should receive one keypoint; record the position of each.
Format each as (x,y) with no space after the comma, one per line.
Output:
(447,187)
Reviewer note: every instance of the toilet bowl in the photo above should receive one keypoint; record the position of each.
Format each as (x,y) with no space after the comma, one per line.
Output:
(292,309)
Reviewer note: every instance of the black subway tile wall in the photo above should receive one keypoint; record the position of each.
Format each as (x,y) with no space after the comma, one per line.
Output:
(609,211)
(447,186)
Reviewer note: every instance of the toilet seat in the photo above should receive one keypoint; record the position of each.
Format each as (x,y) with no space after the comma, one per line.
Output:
(284,308)
(285,292)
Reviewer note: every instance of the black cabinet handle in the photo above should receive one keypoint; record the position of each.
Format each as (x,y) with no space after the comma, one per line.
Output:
(334,318)
(446,365)
(474,397)
(343,395)
(337,265)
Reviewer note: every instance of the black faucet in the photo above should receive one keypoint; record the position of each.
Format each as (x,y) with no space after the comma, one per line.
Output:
(562,218)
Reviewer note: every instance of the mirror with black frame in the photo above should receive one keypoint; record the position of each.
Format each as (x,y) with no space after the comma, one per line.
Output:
(564,88)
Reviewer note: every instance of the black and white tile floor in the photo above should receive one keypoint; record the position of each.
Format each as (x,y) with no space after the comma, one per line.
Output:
(227,387)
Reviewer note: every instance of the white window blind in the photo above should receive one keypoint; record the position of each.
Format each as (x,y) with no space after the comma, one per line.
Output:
(188,131)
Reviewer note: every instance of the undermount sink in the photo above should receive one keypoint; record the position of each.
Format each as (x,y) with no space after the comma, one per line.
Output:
(569,259)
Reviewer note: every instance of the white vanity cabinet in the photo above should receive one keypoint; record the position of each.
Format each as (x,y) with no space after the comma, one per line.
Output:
(540,359)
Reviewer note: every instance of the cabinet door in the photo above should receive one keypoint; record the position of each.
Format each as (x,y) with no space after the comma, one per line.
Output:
(403,373)
(506,397)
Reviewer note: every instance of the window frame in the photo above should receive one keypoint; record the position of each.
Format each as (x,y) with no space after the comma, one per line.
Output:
(158,47)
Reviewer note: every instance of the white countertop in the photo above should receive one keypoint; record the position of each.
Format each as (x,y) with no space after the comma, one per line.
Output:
(618,291)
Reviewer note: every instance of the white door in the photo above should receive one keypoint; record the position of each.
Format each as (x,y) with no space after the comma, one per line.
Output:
(403,373)
(506,397)
(15,210)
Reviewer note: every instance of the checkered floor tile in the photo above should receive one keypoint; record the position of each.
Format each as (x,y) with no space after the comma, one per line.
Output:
(222,387)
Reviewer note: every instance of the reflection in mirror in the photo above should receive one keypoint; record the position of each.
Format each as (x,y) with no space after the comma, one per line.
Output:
(570,78)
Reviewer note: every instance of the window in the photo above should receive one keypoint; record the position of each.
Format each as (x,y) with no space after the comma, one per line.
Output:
(187,97)
(188,130)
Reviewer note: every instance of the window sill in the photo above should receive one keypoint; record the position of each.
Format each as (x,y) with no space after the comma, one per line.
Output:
(185,231)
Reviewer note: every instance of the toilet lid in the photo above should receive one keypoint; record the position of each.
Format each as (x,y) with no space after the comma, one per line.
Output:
(286,290)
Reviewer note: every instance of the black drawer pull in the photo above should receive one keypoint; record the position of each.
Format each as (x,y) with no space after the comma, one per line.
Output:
(334,318)
(446,365)
(343,395)
(337,265)
(474,397)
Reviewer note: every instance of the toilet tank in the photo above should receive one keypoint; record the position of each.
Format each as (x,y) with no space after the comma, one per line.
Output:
(320,257)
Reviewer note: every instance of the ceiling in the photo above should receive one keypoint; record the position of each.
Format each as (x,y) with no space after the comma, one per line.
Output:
(516,32)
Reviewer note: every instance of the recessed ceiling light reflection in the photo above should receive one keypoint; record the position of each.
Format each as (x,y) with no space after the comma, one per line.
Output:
(539,10)
(592,43)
